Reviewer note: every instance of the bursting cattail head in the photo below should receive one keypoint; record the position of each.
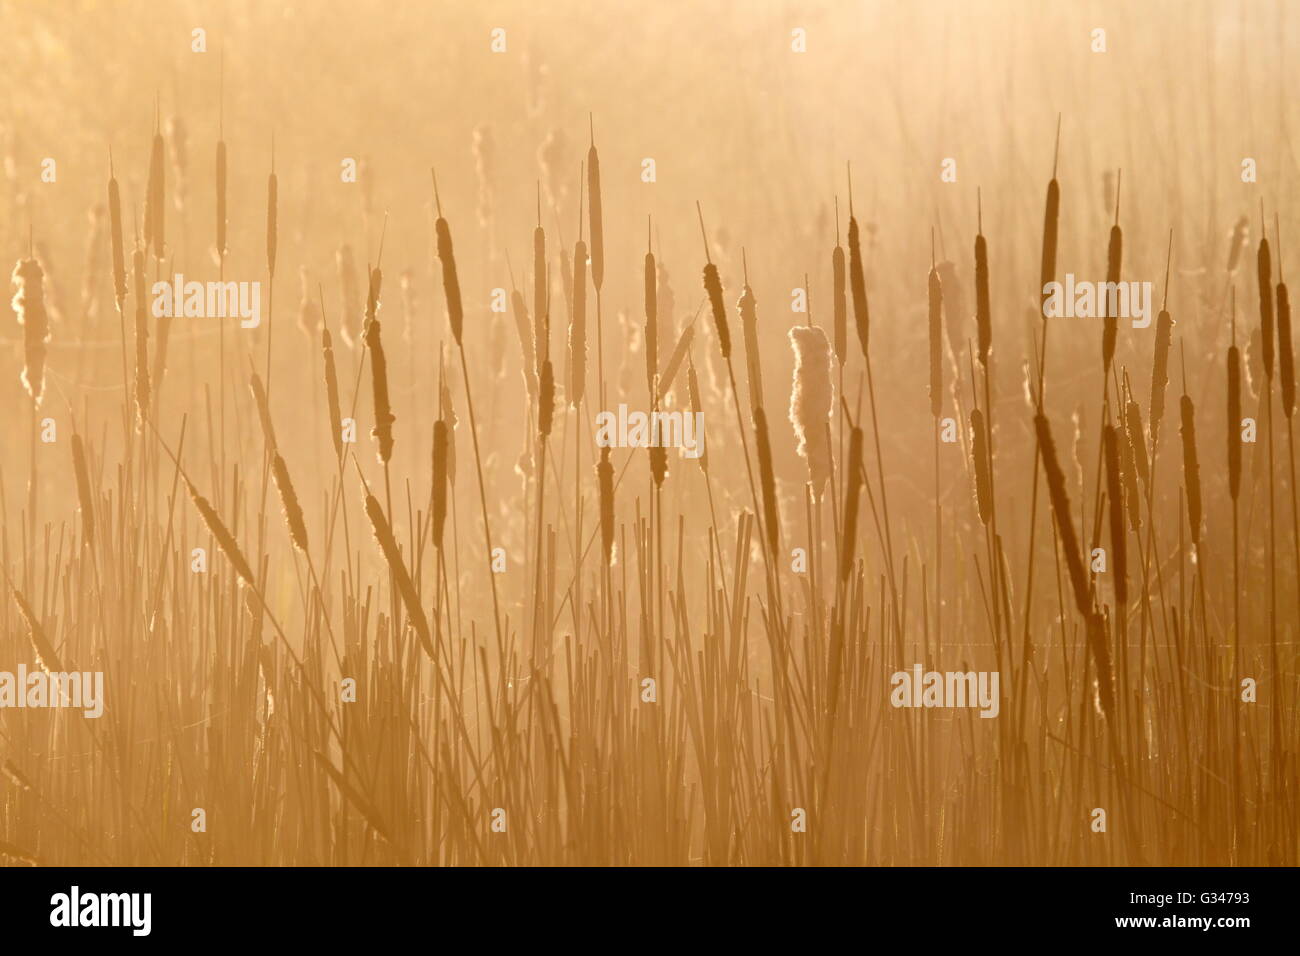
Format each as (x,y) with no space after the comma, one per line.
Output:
(332,391)
(812,397)
(29,307)
(352,307)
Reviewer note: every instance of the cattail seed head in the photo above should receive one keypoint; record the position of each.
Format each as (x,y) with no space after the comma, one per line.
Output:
(546,400)
(142,389)
(1160,371)
(748,309)
(812,398)
(115,231)
(225,540)
(983,312)
(713,286)
(840,305)
(595,221)
(1264,265)
(578,327)
(332,391)
(29,308)
(858,287)
(1191,467)
(439,507)
(767,479)
(405,589)
(1285,351)
(1060,499)
(384,417)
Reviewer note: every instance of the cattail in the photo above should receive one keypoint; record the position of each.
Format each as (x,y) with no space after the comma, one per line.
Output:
(1061,510)
(115,232)
(675,362)
(272,214)
(767,479)
(46,657)
(1051,221)
(749,327)
(351,294)
(1264,265)
(851,493)
(935,300)
(983,312)
(697,408)
(713,286)
(1132,455)
(373,287)
(1114,257)
(221,200)
(384,418)
(332,391)
(605,481)
(1160,371)
(858,285)
(83,490)
(439,507)
(1115,491)
(1237,242)
(309,314)
(450,283)
(979,453)
(527,347)
(1285,354)
(1136,440)
(289,503)
(839,299)
(546,400)
(225,540)
(29,307)
(665,304)
(142,389)
(263,410)
(658,464)
(812,397)
(566,280)
(1191,467)
(578,326)
(154,212)
(388,544)
(596,226)
(651,320)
